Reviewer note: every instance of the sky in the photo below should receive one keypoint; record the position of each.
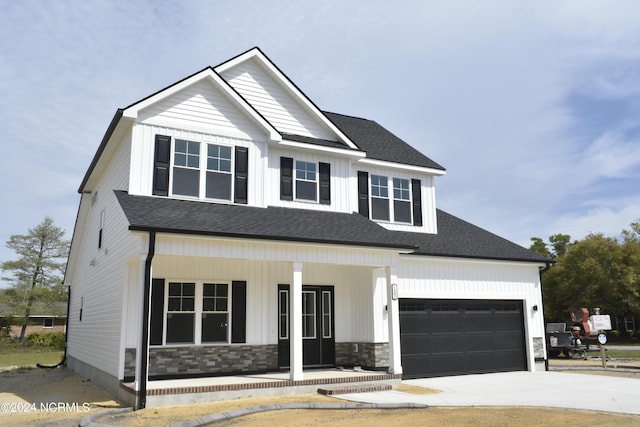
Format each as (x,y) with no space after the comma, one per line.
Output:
(532,107)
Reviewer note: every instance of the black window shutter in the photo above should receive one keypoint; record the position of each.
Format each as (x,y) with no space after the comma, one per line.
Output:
(238,311)
(416,201)
(286,178)
(241,173)
(325,183)
(157,312)
(161,166)
(363,193)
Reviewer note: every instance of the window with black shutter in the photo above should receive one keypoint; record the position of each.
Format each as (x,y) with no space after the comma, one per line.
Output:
(286,178)
(162,157)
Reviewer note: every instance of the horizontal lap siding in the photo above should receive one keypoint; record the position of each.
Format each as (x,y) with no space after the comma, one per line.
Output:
(202,105)
(274,102)
(96,339)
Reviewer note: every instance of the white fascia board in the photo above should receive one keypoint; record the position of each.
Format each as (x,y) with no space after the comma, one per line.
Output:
(322,148)
(209,74)
(256,53)
(76,238)
(105,152)
(470,260)
(401,166)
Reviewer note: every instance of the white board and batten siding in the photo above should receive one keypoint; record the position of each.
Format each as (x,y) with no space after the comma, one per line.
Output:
(212,247)
(358,298)
(267,95)
(142,157)
(99,276)
(341,192)
(427,195)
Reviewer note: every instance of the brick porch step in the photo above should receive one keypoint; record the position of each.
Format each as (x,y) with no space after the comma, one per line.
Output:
(356,388)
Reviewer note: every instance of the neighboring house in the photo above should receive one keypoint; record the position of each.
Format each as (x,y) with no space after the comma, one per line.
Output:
(43,321)
(270,234)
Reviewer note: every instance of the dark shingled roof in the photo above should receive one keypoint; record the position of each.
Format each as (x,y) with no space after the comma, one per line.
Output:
(272,223)
(455,238)
(379,143)
(458,238)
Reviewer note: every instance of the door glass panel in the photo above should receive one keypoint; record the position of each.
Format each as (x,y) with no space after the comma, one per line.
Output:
(308,314)
(283,310)
(326,315)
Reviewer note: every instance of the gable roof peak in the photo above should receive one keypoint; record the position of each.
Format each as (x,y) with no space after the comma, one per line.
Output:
(257,55)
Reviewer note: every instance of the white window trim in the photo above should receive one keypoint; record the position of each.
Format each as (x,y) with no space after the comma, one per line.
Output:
(198,311)
(390,199)
(409,200)
(203,156)
(296,179)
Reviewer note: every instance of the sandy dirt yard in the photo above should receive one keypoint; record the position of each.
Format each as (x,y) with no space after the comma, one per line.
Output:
(68,398)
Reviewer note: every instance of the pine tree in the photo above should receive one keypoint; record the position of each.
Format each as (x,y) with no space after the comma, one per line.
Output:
(36,276)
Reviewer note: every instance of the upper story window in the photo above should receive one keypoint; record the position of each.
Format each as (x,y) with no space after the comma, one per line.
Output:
(312,181)
(379,197)
(186,168)
(401,200)
(218,172)
(403,205)
(306,181)
(201,170)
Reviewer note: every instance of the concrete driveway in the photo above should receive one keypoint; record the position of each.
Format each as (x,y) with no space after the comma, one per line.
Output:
(545,389)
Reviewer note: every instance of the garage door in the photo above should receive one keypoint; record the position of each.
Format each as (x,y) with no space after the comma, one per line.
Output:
(454,337)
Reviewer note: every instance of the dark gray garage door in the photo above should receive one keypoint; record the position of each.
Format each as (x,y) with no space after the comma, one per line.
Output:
(454,337)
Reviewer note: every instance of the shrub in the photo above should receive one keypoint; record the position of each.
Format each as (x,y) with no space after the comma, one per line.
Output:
(53,340)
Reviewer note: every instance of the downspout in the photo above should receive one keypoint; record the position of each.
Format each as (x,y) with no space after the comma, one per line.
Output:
(66,337)
(141,402)
(544,270)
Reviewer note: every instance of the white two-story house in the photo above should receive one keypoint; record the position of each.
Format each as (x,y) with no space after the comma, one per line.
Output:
(227,225)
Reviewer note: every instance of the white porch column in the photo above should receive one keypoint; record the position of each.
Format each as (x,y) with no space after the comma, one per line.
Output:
(295,340)
(393,319)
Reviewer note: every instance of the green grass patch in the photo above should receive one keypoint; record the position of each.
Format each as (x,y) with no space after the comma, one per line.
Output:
(28,356)
(624,354)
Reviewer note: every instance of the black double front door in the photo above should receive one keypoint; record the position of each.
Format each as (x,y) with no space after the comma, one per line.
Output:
(318,338)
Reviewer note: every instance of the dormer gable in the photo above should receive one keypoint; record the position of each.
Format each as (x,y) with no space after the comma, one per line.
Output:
(209,101)
(278,99)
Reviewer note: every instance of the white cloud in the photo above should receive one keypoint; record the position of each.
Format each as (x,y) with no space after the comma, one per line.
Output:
(484,88)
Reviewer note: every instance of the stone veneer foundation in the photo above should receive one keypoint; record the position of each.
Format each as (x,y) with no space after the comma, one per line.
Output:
(194,360)
(369,355)
(225,359)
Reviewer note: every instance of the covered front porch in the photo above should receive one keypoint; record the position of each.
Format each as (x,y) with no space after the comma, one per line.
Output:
(207,389)
(228,310)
